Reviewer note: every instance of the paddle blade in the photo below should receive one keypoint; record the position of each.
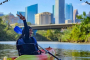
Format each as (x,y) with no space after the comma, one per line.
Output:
(18,30)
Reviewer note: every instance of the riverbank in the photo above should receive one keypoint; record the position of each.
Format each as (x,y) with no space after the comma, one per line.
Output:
(51,42)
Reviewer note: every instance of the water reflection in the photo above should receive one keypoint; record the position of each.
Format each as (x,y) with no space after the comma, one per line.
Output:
(7,50)
(64,54)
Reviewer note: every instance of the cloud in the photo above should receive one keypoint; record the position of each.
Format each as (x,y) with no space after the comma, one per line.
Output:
(83,3)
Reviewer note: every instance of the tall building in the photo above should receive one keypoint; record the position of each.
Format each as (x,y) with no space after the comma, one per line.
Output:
(53,10)
(52,19)
(23,13)
(53,15)
(69,12)
(59,11)
(68,21)
(75,13)
(12,19)
(30,13)
(43,18)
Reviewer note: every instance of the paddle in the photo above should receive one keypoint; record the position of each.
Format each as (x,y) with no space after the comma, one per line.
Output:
(49,53)
(19,31)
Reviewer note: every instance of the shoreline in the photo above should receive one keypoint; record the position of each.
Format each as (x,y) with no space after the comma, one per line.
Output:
(55,42)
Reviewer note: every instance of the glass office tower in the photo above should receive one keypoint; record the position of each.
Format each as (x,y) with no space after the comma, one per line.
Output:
(30,13)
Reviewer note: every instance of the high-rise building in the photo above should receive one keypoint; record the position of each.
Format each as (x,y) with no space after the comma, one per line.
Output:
(43,18)
(30,13)
(53,15)
(12,18)
(69,12)
(23,13)
(52,19)
(53,10)
(68,21)
(59,11)
(75,13)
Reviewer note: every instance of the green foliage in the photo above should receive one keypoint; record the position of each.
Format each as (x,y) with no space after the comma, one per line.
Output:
(6,32)
(49,34)
(79,17)
(84,13)
(57,34)
(65,37)
(79,32)
(16,24)
(28,23)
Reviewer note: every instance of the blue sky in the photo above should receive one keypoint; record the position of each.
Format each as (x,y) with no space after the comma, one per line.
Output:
(43,5)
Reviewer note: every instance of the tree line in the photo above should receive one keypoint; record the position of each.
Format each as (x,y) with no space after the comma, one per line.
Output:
(80,32)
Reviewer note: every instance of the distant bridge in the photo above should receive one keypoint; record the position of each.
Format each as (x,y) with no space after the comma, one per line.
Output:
(51,26)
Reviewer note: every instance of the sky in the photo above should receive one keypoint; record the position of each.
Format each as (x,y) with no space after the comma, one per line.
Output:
(43,5)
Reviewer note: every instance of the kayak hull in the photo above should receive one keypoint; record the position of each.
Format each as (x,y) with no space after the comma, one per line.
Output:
(43,56)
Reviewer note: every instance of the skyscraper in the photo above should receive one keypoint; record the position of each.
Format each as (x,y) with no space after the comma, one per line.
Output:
(30,13)
(43,18)
(12,19)
(53,15)
(69,12)
(59,11)
(23,13)
(53,10)
(75,13)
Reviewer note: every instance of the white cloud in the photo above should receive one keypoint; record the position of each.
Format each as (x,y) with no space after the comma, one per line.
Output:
(83,3)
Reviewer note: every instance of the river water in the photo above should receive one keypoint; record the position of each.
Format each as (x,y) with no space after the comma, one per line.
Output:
(65,51)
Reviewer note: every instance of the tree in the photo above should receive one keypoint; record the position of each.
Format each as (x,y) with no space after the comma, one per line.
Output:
(57,34)
(79,17)
(49,35)
(16,24)
(28,23)
(84,14)
(6,20)
(80,32)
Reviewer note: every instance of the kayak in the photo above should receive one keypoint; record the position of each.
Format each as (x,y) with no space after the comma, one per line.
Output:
(42,56)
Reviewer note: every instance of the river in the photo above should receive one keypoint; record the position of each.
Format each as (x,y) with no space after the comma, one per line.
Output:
(65,51)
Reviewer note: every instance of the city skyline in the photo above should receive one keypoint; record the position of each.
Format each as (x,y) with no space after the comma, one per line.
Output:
(44,6)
